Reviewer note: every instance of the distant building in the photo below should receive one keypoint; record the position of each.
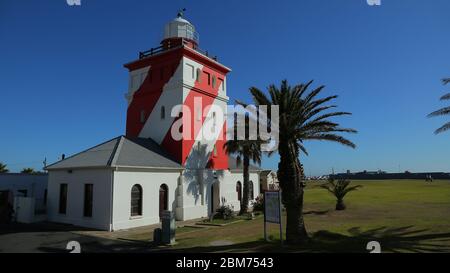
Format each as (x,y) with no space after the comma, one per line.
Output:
(25,185)
(268,181)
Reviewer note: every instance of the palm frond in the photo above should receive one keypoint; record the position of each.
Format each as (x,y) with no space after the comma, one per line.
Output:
(332,137)
(443,128)
(445,97)
(440,112)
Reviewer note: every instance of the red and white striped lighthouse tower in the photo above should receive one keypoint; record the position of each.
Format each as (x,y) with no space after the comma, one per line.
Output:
(179,73)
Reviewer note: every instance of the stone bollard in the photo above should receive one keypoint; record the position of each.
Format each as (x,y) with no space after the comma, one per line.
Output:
(168,227)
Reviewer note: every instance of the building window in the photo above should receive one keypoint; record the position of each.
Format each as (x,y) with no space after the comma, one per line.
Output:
(215,151)
(198,113)
(191,70)
(214,120)
(88,199)
(163,112)
(252,194)
(149,75)
(24,193)
(199,73)
(208,78)
(136,200)
(239,190)
(214,81)
(222,84)
(142,116)
(62,198)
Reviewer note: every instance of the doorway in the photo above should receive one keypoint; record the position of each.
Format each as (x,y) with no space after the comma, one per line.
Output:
(215,197)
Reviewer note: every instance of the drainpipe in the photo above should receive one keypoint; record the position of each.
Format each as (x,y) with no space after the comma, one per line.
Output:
(111,227)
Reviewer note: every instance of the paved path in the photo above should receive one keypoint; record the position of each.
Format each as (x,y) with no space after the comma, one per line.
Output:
(52,237)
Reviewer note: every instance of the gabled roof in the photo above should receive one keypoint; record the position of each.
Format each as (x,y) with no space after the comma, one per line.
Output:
(266,172)
(120,152)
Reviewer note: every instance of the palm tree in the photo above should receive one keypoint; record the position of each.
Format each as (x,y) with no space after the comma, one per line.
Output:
(245,150)
(3,168)
(443,111)
(301,118)
(28,170)
(339,189)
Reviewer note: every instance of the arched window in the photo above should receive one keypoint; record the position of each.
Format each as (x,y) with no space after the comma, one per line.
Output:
(163,199)
(252,194)
(239,190)
(163,112)
(136,200)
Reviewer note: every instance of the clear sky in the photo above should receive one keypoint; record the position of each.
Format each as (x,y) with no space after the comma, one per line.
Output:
(62,82)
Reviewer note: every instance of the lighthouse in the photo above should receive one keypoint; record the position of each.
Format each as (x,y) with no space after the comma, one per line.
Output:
(179,73)
(171,157)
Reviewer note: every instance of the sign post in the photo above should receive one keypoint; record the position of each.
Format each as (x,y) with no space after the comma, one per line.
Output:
(272,211)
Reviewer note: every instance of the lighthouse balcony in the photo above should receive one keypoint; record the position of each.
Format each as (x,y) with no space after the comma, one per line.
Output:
(170,44)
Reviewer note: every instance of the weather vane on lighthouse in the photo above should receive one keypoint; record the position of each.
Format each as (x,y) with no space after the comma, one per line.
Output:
(180,12)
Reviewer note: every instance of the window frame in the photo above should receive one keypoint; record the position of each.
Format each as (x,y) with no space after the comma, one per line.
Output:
(88,203)
(62,206)
(136,209)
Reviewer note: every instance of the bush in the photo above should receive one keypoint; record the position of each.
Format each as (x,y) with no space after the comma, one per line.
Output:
(258,204)
(225,212)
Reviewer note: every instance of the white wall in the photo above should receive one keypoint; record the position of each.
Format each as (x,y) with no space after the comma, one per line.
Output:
(231,181)
(101,180)
(196,204)
(150,181)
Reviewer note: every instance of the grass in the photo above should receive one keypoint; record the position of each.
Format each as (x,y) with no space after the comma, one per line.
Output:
(403,215)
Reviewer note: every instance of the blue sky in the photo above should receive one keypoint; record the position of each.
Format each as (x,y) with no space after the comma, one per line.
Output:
(62,83)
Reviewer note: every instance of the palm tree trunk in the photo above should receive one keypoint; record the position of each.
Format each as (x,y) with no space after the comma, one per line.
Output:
(340,205)
(289,175)
(246,193)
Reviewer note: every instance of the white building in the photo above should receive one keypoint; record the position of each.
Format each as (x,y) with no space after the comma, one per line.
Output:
(129,180)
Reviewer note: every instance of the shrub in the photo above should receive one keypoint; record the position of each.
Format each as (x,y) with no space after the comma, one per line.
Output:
(225,212)
(258,204)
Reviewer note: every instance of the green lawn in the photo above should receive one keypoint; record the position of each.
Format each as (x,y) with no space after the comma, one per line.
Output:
(403,215)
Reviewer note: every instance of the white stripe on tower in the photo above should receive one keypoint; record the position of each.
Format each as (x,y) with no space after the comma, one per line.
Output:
(155,126)
(199,159)
(137,78)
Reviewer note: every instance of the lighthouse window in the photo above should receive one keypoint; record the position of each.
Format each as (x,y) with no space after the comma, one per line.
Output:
(214,81)
(214,119)
(199,114)
(208,78)
(149,75)
(163,112)
(215,150)
(161,72)
(222,84)
(142,117)
(199,73)
(191,70)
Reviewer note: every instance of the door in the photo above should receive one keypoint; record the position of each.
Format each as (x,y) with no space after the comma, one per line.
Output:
(239,191)
(215,197)
(163,199)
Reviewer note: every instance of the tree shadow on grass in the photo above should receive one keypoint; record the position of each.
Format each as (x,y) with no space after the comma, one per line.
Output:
(402,239)
(316,212)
